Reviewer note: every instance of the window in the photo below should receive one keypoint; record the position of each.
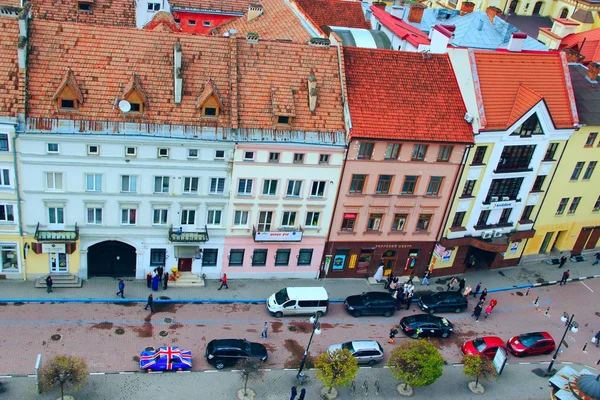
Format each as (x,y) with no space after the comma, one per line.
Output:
(383,185)
(93,182)
(348,222)
(539,182)
(158,257)
(392,151)
(54,180)
(128,183)
(192,153)
(6,213)
(597,205)
(399,222)
(191,22)
(269,187)
(317,189)
(56,215)
(188,217)
(52,148)
(163,153)
(9,258)
(504,188)
(245,187)
(217,185)
(161,184)
(248,156)
(273,157)
(4,177)
(209,257)
(374,222)
(259,258)
(410,184)
(526,216)
(419,152)
(515,158)
(289,219)
(282,257)
(213,217)
(357,183)
(240,218)
(305,256)
(444,153)
(435,184)
(591,139)
(219,154)
(459,217)
(298,158)
(93,150)
(324,159)
(206,23)
(468,189)
(505,215)
(530,127)
(94,216)
(564,13)
(236,257)
(3,142)
(551,151)
(574,205)
(190,185)
(589,170)
(283,119)
(294,188)
(66,104)
(264,221)
(153,6)
(130,151)
(160,216)
(423,222)
(483,217)
(577,170)
(479,155)
(562,205)
(128,216)
(365,150)
(312,218)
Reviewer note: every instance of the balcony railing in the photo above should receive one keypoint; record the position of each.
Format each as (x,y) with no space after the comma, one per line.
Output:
(177,235)
(62,235)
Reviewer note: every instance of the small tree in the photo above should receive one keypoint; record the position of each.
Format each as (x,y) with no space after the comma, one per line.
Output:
(478,366)
(337,368)
(416,363)
(64,371)
(248,369)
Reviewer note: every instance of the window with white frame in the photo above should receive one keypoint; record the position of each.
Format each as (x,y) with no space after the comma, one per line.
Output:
(56,215)
(128,183)
(213,217)
(240,218)
(52,148)
(94,216)
(160,216)
(269,187)
(264,221)
(93,182)
(54,180)
(163,152)
(219,154)
(248,156)
(6,213)
(323,158)
(190,185)
(289,219)
(8,258)
(188,217)
(5,177)
(161,184)
(192,153)
(217,185)
(294,189)
(4,142)
(312,219)
(130,151)
(153,6)
(93,149)
(317,189)
(245,187)
(128,216)
(298,158)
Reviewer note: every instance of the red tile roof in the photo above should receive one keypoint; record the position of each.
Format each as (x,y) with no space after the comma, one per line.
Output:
(102,12)
(10,3)
(164,21)
(415,97)
(400,28)
(240,6)
(335,13)
(511,82)
(590,49)
(11,81)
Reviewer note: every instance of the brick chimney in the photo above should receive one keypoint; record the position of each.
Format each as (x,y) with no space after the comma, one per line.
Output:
(23,34)
(255,10)
(177,72)
(466,7)
(593,71)
(415,13)
(379,4)
(517,39)
(397,11)
(440,38)
(492,12)
(312,92)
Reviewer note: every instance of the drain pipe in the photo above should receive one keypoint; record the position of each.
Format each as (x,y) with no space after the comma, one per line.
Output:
(19,211)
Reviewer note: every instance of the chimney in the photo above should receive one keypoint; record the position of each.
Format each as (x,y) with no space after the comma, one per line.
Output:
(593,71)
(517,39)
(415,13)
(440,38)
(312,92)
(398,11)
(319,42)
(466,7)
(177,72)
(379,4)
(252,38)
(23,33)
(255,10)
(493,12)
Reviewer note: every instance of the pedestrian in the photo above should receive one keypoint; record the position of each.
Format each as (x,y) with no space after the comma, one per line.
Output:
(265,330)
(472,261)
(410,278)
(452,283)
(159,272)
(493,303)
(399,299)
(294,393)
(224,282)
(597,255)
(394,286)
(488,310)
(467,292)
(597,337)
(155,280)
(565,276)
(49,284)
(563,260)
(409,298)
(393,333)
(461,284)
(426,277)
(483,295)
(302,394)
(389,280)
(150,303)
(149,280)
(477,289)
(121,288)
(477,312)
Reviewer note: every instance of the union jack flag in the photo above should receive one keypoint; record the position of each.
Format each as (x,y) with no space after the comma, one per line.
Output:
(166,358)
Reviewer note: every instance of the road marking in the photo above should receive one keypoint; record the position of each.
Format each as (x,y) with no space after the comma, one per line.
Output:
(126,373)
(211,370)
(586,286)
(97,373)
(524,363)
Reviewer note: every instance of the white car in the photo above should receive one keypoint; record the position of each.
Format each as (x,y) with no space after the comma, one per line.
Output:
(365,351)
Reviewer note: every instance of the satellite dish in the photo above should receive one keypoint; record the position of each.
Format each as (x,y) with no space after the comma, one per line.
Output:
(124,106)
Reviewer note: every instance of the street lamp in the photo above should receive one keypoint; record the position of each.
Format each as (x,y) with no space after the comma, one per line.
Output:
(569,324)
(316,328)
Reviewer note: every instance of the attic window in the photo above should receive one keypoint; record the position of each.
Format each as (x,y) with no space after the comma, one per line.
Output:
(135,107)
(68,96)
(191,22)
(135,95)
(66,103)
(210,111)
(209,101)
(84,6)
(530,127)
(283,119)
(206,23)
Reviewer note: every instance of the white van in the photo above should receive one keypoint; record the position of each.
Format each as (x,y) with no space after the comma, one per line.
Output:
(297,301)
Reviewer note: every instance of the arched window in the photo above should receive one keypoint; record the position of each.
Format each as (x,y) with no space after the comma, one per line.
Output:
(537,8)
(564,13)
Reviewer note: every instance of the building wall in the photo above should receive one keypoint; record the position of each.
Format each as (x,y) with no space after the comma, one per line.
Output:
(143,15)
(201,23)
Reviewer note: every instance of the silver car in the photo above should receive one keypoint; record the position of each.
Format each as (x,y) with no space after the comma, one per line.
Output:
(365,351)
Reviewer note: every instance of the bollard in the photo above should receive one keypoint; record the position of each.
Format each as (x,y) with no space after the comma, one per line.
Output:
(537,301)
(527,292)
(584,347)
(547,311)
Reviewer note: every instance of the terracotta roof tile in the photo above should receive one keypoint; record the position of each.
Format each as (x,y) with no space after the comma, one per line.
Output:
(282,102)
(590,49)
(11,81)
(102,12)
(335,13)
(10,3)
(525,100)
(240,6)
(502,75)
(400,28)
(164,21)
(416,97)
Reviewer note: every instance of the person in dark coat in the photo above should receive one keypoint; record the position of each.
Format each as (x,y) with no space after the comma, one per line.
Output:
(294,393)
(409,298)
(410,278)
(483,296)
(477,311)
(474,293)
(159,271)
(49,284)
(565,276)
(302,394)
(121,289)
(165,280)
(150,303)
(563,260)
(597,338)
(149,280)
(461,284)
(399,299)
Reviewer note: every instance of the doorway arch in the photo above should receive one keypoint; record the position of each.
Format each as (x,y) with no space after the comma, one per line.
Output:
(111,258)
(537,8)
(564,13)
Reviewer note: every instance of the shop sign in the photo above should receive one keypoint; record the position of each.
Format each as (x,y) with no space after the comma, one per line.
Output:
(278,236)
(514,246)
(352,262)
(502,204)
(392,246)
(54,248)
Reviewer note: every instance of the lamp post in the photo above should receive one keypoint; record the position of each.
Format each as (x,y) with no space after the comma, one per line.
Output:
(316,328)
(569,324)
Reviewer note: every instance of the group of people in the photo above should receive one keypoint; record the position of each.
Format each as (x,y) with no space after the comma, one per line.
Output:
(402,292)
(479,308)
(154,278)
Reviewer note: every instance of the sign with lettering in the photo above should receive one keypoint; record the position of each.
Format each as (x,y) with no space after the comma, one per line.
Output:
(438,250)
(392,246)
(278,236)
(352,262)
(54,248)
(514,246)
(503,204)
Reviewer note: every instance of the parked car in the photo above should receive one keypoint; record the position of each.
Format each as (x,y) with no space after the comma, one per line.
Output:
(365,351)
(425,325)
(443,301)
(485,346)
(371,303)
(165,359)
(222,353)
(530,344)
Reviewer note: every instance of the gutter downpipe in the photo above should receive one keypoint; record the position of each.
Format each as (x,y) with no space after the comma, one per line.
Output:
(19,210)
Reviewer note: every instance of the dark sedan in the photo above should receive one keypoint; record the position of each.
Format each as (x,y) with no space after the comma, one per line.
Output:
(425,325)
(530,344)
(371,303)
(227,352)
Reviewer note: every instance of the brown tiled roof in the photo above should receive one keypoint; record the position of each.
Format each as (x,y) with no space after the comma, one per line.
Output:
(11,81)
(587,43)
(102,12)
(163,21)
(335,13)
(240,6)
(415,98)
(525,100)
(10,3)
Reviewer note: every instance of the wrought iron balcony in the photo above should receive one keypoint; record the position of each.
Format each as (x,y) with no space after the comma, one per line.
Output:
(177,235)
(63,235)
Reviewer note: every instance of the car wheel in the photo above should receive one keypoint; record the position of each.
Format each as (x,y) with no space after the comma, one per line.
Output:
(319,314)
(219,364)
(357,313)
(148,369)
(372,362)
(415,336)
(445,334)
(458,310)
(278,314)
(388,313)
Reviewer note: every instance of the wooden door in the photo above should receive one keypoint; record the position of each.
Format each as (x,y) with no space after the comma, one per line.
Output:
(184,265)
(593,240)
(581,241)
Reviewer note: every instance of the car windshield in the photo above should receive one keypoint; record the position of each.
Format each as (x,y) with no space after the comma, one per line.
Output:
(409,320)
(348,346)
(479,344)
(445,322)
(281,296)
(529,339)
(247,347)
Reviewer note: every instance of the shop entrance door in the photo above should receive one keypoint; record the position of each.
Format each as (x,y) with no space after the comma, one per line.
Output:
(184,265)
(389,262)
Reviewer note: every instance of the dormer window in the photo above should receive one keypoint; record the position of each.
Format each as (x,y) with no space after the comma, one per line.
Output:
(283,119)
(84,5)
(135,95)
(66,103)
(210,111)
(68,96)
(135,107)
(209,102)
(282,101)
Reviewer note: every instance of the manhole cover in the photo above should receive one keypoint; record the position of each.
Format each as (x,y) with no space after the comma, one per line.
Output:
(168,320)
(56,337)
(163,333)
(119,331)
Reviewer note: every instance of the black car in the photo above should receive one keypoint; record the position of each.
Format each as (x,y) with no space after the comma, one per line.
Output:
(443,301)
(371,303)
(227,352)
(425,325)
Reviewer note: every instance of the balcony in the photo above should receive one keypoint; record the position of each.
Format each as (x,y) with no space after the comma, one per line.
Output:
(177,235)
(282,235)
(63,235)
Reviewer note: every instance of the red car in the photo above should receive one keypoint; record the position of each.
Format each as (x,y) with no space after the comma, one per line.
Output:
(530,344)
(485,346)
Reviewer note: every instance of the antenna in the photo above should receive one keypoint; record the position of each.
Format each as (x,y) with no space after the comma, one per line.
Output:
(124,106)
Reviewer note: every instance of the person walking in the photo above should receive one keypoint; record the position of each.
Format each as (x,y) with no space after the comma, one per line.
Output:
(452,283)
(265,330)
(224,282)
(565,276)
(165,280)
(409,298)
(302,394)
(49,284)
(461,284)
(477,312)
(410,278)
(150,303)
(121,289)
(493,303)
(393,333)
(563,260)
(476,289)
(149,280)
(159,271)
(399,299)
(488,310)
(597,338)
(294,393)
(467,292)
(483,295)
(597,255)
(426,278)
